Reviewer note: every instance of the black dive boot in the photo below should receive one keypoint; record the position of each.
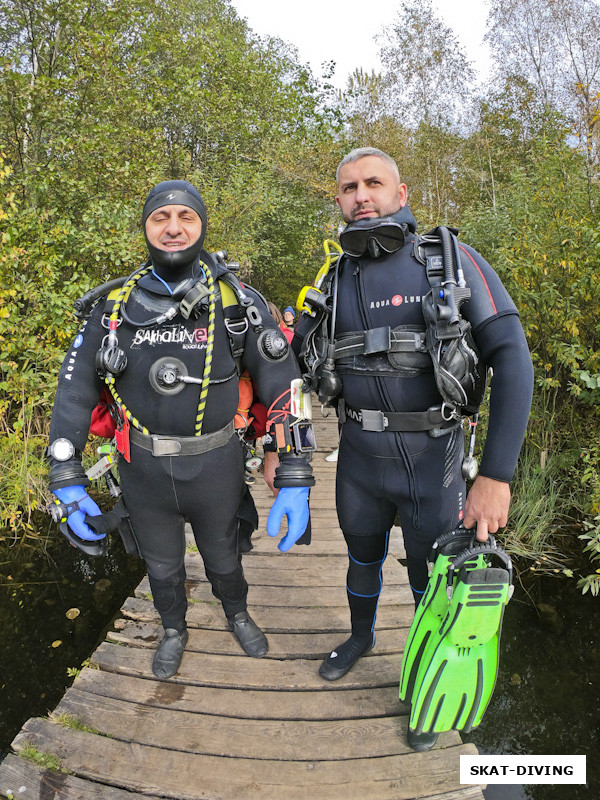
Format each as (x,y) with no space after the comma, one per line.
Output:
(248,634)
(421,741)
(232,591)
(167,658)
(344,657)
(362,614)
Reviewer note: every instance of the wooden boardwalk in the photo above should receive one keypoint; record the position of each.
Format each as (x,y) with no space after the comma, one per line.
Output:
(228,727)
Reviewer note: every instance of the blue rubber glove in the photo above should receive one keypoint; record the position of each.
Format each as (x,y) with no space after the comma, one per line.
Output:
(75,520)
(292,502)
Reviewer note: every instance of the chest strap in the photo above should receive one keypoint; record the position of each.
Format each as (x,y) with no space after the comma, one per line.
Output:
(181,445)
(380,340)
(372,420)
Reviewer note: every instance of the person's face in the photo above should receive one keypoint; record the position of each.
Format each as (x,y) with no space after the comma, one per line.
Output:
(173,228)
(369,187)
(288,318)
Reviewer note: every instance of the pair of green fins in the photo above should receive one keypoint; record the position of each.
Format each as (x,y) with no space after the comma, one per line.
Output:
(451,656)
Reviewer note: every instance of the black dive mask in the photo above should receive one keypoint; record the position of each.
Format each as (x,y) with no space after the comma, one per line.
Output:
(374,237)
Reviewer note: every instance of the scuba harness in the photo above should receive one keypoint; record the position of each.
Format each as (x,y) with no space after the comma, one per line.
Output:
(112,420)
(446,344)
(169,375)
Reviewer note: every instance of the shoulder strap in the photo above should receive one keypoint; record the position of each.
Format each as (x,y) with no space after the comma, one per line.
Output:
(228,296)
(233,297)
(438,252)
(459,372)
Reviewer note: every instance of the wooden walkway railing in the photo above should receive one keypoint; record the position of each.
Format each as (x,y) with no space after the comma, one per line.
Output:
(229,727)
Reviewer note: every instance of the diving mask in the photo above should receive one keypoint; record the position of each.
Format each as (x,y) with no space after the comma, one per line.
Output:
(374,236)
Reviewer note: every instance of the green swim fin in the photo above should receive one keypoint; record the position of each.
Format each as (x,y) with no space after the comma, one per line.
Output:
(433,606)
(457,671)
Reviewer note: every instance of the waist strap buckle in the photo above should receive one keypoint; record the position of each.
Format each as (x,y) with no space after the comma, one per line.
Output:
(165,446)
(373,420)
(161,445)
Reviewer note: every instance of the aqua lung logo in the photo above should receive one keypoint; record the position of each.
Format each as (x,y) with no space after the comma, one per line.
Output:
(69,364)
(172,334)
(396,300)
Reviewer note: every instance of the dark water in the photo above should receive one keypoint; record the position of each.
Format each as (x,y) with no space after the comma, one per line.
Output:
(546,700)
(37,589)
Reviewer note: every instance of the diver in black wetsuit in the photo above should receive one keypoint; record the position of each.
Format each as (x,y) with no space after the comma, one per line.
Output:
(162,345)
(391,459)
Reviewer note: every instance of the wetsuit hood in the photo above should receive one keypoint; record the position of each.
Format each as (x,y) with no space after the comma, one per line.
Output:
(405,216)
(172,282)
(171,264)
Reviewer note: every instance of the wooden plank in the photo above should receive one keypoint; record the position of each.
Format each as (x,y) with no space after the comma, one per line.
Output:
(192,776)
(308,560)
(322,495)
(293,596)
(465,793)
(25,781)
(323,543)
(272,571)
(304,557)
(210,734)
(241,671)
(281,645)
(273,620)
(264,544)
(242,703)
(324,490)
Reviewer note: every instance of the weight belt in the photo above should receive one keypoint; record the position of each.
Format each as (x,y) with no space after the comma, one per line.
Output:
(182,445)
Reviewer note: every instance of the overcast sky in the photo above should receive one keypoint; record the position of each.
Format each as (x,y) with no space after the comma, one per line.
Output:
(344,31)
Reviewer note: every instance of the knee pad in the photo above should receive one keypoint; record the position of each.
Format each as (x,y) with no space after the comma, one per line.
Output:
(229,588)
(364,579)
(170,599)
(366,555)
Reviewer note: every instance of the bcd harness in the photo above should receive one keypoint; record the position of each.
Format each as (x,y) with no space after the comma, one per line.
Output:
(239,313)
(169,375)
(444,344)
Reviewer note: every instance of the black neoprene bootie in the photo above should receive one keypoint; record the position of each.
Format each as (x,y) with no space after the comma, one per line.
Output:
(167,658)
(249,635)
(421,741)
(344,657)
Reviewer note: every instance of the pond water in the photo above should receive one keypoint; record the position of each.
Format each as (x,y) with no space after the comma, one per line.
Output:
(547,697)
(56,606)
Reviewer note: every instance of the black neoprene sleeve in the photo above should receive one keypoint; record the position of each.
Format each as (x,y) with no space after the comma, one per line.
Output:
(504,348)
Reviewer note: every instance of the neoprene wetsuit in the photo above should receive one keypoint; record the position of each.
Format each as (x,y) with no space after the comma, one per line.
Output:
(415,474)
